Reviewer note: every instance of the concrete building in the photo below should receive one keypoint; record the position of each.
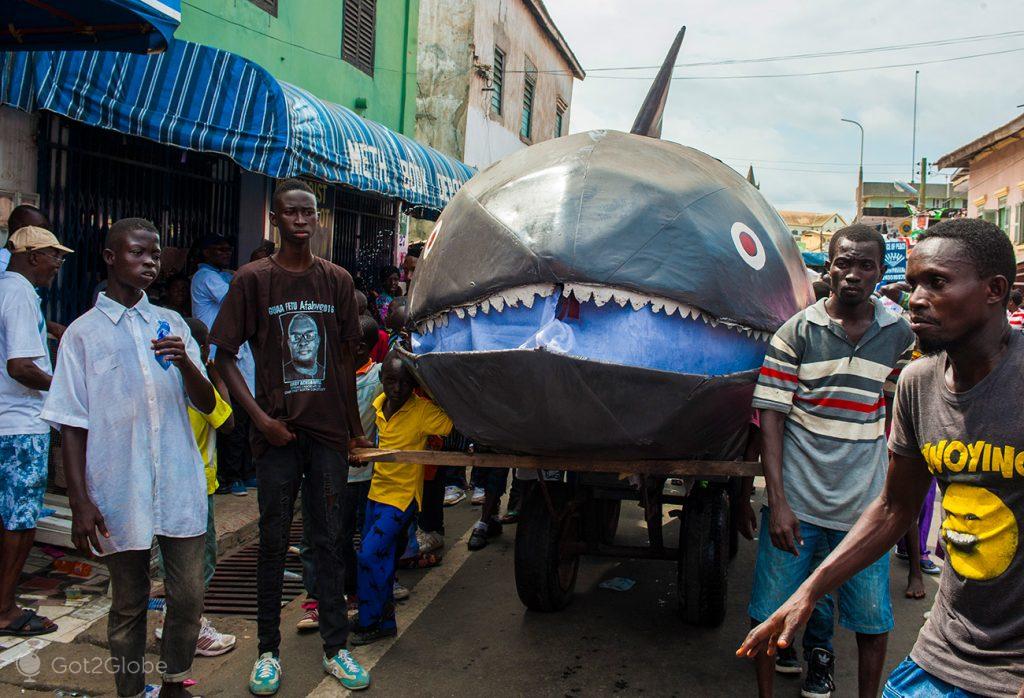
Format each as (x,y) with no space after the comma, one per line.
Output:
(493,75)
(886,203)
(993,167)
(812,231)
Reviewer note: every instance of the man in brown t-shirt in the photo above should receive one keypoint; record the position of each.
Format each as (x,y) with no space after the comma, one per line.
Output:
(952,421)
(298,312)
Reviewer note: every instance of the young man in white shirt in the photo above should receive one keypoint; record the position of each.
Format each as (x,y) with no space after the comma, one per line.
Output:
(124,372)
(36,257)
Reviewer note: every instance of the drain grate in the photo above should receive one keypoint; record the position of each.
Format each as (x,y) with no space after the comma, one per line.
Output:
(232,590)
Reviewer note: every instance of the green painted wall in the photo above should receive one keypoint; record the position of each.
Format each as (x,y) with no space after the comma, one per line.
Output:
(302,45)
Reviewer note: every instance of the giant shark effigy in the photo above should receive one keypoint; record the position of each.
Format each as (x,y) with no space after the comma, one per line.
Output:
(604,293)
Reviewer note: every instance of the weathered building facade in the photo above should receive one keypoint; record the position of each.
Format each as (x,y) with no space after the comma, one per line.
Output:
(493,76)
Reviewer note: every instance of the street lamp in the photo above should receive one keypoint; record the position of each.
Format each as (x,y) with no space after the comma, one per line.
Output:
(860,170)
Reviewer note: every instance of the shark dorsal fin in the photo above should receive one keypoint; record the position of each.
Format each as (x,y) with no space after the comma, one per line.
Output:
(648,121)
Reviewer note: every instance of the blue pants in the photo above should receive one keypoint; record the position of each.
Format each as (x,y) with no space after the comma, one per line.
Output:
(908,680)
(384,526)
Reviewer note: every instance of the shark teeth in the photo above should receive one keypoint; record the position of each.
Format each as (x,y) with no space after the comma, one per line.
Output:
(527,295)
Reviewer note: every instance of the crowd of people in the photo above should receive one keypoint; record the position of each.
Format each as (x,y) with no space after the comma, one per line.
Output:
(269,377)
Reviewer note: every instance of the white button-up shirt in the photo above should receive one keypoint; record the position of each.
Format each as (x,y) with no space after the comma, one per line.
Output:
(143,469)
(209,286)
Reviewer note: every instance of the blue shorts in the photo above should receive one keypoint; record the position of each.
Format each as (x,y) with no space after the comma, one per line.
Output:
(864,605)
(908,680)
(23,468)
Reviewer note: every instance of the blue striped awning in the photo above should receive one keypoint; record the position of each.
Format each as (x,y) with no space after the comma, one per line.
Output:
(142,26)
(202,98)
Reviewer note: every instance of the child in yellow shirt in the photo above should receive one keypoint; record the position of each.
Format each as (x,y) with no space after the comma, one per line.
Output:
(404,422)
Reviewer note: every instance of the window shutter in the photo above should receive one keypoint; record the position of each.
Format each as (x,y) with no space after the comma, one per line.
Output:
(497,80)
(358,34)
(268,6)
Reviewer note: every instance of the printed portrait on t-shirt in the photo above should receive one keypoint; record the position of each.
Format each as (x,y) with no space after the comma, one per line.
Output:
(303,353)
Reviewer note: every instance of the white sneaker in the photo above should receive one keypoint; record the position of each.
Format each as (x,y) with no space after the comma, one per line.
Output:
(453,494)
(478,496)
(212,643)
(158,631)
(399,592)
(429,542)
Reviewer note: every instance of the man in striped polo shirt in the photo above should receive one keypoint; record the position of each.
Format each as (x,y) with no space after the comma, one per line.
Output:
(822,395)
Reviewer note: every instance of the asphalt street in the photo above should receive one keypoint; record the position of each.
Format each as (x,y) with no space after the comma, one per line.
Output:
(464,632)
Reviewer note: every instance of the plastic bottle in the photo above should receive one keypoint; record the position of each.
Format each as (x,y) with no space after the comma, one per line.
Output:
(163,329)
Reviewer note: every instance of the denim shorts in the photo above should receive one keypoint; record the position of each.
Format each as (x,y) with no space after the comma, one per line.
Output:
(23,468)
(908,680)
(864,605)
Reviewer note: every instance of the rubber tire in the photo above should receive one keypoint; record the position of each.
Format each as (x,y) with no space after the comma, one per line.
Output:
(704,556)
(602,520)
(735,485)
(539,583)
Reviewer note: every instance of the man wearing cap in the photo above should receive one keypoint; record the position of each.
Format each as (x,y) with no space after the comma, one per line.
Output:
(36,257)
(209,285)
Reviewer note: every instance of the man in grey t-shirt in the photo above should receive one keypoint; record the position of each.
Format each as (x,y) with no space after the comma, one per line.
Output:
(955,419)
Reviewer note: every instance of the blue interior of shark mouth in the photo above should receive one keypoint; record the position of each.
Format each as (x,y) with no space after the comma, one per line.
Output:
(597,323)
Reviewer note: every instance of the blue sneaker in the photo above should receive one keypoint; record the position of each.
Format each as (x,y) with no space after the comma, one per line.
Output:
(251,483)
(929,567)
(265,678)
(347,670)
(238,488)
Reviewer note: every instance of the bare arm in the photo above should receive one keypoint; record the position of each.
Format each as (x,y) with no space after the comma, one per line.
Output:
(56,329)
(276,432)
(28,374)
(86,519)
(881,525)
(783,525)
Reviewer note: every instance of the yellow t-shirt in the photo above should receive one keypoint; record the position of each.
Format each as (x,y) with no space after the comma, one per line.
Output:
(398,484)
(204,429)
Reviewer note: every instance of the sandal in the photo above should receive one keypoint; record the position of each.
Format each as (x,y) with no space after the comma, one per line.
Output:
(510,517)
(421,561)
(29,624)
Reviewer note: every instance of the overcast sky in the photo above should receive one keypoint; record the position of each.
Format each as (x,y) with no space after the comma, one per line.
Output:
(780,124)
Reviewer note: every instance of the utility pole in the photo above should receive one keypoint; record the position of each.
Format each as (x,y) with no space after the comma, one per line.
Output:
(860,170)
(922,196)
(913,140)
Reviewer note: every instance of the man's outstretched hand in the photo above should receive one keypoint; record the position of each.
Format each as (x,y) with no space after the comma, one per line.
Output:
(780,628)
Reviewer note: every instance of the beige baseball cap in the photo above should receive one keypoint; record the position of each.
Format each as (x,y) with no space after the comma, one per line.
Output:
(32,238)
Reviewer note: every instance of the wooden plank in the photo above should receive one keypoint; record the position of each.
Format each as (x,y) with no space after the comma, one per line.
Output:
(678,468)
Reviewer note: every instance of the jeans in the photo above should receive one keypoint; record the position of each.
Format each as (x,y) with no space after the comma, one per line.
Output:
(355,510)
(126,627)
(322,473)
(209,548)
(821,625)
(382,543)
(908,680)
(234,458)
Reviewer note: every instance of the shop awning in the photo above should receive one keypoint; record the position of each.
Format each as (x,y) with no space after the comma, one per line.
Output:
(141,26)
(202,98)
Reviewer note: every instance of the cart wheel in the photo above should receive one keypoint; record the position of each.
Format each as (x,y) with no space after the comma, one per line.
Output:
(602,520)
(704,556)
(546,553)
(735,485)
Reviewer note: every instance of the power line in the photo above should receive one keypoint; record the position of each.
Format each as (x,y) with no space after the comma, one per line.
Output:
(802,56)
(805,162)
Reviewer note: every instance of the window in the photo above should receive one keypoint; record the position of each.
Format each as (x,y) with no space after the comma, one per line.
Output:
(1018,227)
(559,117)
(358,34)
(497,80)
(1003,215)
(529,87)
(268,6)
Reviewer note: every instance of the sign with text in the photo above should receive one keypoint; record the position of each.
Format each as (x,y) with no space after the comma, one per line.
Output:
(895,261)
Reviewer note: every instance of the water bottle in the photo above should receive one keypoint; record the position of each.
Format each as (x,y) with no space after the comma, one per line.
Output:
(163,329)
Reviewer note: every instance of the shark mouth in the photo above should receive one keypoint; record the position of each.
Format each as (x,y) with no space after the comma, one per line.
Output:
(598,323)
(960,540)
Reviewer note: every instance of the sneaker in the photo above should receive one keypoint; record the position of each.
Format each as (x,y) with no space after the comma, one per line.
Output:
(478,539)
(347,670)
(453,494)
(310,619)
(511,517)
(158,631)
(786,662)
(928,566)
(265,678)
(252,483)
(429,542)
(494,528)
(352,608)
(478,496)
(364,636)
(223,488)
(818,683)
(399,592)
(212,643)
(238,489)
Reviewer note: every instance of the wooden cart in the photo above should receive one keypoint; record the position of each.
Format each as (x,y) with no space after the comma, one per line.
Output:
(577,514)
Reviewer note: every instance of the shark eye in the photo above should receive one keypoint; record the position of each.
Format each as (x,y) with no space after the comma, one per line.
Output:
(748,245)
